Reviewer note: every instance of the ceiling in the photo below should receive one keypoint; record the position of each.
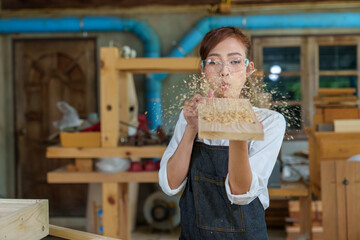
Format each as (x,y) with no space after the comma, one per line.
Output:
(58,4)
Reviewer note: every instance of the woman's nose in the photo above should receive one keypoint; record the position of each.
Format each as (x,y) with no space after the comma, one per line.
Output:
(224,71)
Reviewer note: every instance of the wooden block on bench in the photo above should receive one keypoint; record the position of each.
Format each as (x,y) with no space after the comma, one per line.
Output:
(347,125)
(24,219)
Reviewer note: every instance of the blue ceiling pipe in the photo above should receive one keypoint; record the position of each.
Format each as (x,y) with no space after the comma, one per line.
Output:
(99,24)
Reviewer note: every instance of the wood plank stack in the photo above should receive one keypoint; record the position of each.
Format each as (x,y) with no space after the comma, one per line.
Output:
(334,103)
(293,230)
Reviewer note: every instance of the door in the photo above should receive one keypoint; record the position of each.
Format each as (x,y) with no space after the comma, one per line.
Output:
(47,71)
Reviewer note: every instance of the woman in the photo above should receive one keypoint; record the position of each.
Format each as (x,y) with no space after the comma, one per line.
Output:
(225,181)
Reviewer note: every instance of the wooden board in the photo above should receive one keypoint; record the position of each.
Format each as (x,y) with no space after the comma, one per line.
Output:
(72,234)
(24,219)
(233,119)
(62,176)
(335,99)
(151,65)
(127,152)
(347,125)
(336,91)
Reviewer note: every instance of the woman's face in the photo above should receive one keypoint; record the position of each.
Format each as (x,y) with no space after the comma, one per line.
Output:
(225,68)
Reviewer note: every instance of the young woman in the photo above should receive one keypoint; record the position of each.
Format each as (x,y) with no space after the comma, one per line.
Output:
(225,181)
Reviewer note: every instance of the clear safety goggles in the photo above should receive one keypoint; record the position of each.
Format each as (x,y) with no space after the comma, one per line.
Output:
(215,65)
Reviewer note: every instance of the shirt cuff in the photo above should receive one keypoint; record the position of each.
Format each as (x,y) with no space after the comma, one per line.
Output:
(246,198)
(164,184)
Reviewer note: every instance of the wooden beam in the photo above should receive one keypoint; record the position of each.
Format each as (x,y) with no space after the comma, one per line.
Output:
(339,73)
(62,176)
(153,65)
(290,190)
(336,91)
(127,152)
(68,233)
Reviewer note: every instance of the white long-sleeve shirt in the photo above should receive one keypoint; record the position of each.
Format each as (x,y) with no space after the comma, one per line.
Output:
(262,157)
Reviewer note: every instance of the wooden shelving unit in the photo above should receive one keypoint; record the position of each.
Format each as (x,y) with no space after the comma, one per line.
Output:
(114,102)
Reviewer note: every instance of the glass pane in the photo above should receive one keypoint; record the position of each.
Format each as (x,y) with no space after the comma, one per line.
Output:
(338,82)
(283,88)
(292,115)
(337,57)
(283,59)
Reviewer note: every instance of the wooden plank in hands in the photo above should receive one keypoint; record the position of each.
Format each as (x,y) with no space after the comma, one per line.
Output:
(226,118)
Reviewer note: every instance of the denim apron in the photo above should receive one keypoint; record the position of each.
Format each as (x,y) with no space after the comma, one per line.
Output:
(206,212)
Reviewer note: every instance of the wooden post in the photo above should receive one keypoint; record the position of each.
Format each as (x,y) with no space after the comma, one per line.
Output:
(114,107)
(306,216)
(109,97)
(124,211)
(123,103)
(110,206)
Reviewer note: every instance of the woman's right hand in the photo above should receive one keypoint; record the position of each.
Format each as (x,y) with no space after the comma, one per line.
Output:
(191,111)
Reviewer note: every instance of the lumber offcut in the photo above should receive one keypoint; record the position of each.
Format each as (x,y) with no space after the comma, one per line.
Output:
(226,118)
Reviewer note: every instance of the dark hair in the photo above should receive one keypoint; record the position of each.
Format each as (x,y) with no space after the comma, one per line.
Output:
(213,37)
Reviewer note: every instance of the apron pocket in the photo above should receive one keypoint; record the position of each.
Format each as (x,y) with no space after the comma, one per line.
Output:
(213,209)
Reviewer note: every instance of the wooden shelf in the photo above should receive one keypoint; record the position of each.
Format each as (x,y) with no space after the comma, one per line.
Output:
(62,176)
(98,152)
(290,189)
(165,65)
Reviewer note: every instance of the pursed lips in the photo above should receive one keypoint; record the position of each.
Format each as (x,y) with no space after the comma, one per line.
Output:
(225,85)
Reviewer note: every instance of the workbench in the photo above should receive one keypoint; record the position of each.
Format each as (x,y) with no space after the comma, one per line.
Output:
(329,146)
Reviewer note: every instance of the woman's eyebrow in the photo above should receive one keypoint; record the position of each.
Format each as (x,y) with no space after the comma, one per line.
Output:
(214,55)
(234,53)
(229,54)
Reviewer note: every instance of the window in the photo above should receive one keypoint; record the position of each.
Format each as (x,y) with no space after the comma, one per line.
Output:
(295,67)
(280,60)
(338,66)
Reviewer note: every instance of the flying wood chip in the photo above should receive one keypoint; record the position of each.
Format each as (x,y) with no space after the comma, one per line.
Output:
(225,118)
